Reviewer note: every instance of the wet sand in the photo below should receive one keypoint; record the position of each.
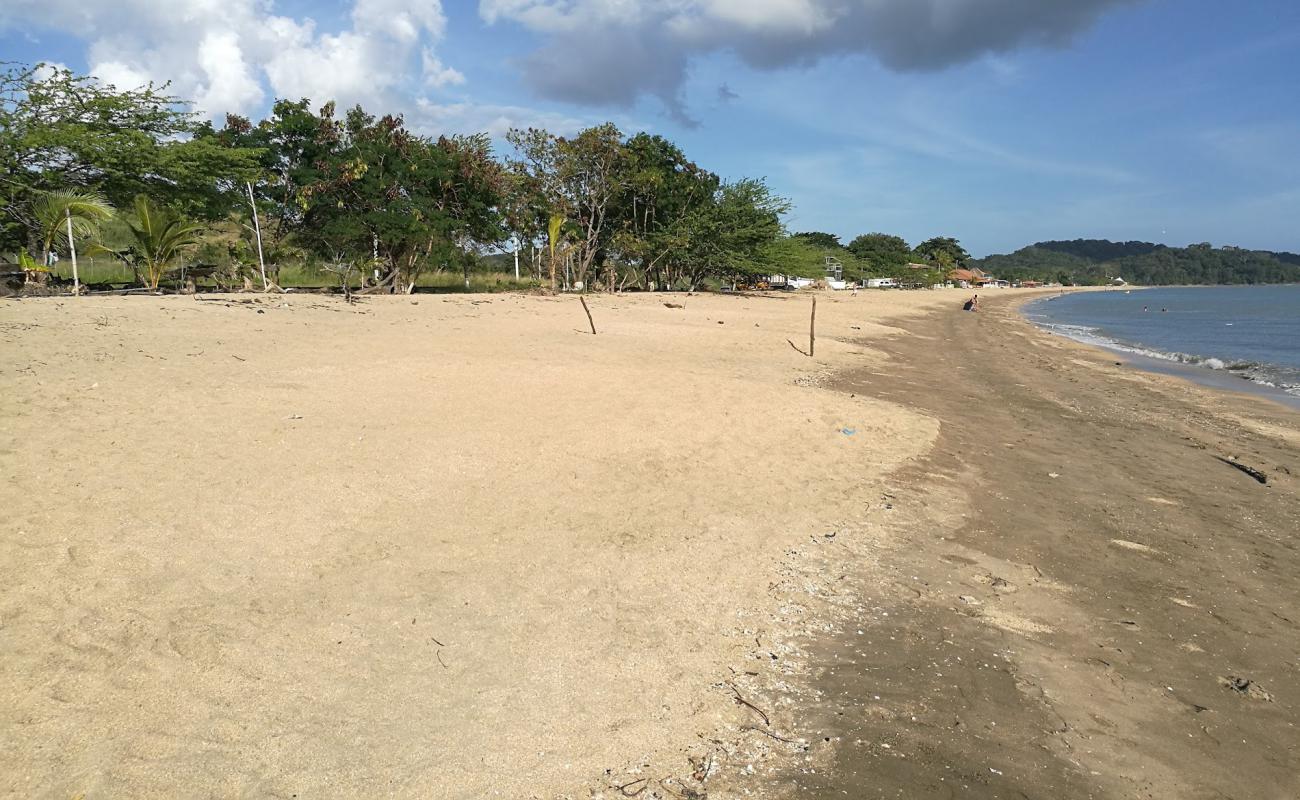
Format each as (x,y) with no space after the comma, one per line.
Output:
(1080,599)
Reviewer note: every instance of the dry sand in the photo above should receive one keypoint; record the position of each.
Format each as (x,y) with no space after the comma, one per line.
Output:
(442,547)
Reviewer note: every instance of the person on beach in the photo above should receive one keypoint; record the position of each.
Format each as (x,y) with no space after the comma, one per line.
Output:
(972,304)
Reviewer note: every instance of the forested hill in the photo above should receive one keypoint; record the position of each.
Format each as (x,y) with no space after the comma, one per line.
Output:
(1093,261)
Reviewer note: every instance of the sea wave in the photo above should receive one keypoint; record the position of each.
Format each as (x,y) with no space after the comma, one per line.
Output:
(1273,376)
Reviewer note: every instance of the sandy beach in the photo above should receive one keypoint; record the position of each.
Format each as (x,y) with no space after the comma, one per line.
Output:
(457,546)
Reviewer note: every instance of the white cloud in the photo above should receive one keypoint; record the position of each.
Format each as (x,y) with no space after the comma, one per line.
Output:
(436,74)
(495,120)
(233,55)
(230,81)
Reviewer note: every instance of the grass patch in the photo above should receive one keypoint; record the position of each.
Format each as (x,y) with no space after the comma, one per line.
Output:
(100,270)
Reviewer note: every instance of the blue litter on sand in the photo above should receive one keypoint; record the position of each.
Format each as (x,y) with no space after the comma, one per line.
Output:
(848,431)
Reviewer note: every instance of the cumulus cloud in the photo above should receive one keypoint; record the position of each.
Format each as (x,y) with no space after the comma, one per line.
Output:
(615,51)
(234,55)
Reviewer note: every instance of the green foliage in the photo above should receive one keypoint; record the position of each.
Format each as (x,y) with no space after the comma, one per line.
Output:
(639,210)
(662,197)
(733,233)
(581,178)
(157,236)
(1097,261)
(880,253)
(64,132)
(374,190)
(818,239)
(796,256)
(52,211)
(1099,249)
(359,194)
(943,252)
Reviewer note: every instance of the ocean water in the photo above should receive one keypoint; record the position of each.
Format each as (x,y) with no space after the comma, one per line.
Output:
(1215,334)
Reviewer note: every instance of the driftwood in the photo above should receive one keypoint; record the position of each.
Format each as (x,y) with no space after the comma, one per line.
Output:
(1251,471)
(741,701)
(590,321)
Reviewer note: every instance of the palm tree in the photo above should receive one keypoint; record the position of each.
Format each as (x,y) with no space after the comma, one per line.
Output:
(158,235)
(53,210)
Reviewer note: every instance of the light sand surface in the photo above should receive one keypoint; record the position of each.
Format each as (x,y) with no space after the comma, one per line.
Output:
(441,547)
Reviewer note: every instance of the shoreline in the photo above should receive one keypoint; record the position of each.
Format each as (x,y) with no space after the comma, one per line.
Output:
(1085,601)
(1216,379)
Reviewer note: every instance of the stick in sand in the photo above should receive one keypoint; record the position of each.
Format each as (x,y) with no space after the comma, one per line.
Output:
(812,328)
(590,321)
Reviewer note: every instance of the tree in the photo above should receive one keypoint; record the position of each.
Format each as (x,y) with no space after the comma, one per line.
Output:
(659,191)
(578,178)
(734,233)
(826,241)
(942,251)
(881,253)
(406,201)
(795,255)
(52,211)
(158,235)
(293,145)
(60,131)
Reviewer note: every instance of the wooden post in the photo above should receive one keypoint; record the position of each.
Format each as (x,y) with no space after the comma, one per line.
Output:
(257,229)
(590,321)
(812,328)
(72,249)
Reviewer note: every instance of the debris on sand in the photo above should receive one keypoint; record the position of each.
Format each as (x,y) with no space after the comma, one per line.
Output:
(1251,471)
(1135,546)
(1247,687)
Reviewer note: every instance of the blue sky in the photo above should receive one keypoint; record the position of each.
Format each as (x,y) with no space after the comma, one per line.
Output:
(1000,122)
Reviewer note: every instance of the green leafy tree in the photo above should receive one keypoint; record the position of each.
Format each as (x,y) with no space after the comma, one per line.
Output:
(158,235)
(825,241)
(580,178)
(659,192)
(403,200)
(795,255)
(64,132)
(734,234)
(52,212)
(943,251)
(293,146)
(881,253)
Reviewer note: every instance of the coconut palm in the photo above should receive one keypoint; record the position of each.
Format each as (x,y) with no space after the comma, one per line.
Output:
(158,235)
(53,210)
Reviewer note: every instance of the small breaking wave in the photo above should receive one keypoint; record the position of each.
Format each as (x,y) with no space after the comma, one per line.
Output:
(1273,376)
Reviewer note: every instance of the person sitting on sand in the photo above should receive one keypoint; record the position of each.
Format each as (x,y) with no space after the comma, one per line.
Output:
(972,304)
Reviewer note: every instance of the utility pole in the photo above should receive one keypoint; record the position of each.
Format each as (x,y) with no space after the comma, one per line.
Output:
(257,229)
(72,249)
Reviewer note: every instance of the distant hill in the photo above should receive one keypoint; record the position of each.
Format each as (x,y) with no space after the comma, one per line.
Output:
(1095,261)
